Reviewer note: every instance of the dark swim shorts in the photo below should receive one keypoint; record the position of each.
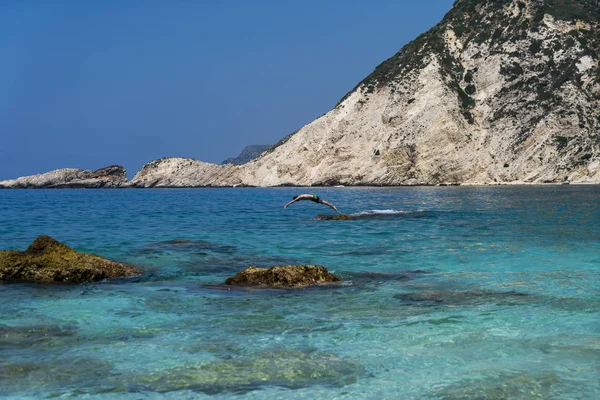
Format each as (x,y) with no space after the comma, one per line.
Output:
(316,198)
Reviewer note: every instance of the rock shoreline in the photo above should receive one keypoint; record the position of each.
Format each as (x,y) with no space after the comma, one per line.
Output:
(195,176)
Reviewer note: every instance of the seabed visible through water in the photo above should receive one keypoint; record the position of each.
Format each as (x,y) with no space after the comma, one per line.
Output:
(447,293)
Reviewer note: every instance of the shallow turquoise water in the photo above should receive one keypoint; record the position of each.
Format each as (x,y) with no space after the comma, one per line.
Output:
(451,292)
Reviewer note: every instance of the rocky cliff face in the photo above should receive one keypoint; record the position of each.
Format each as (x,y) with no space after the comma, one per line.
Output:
(185,172)
(247,154)
(109,177)
(500,91)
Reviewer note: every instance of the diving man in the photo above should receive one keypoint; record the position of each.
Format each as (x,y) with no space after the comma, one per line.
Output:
(311,197)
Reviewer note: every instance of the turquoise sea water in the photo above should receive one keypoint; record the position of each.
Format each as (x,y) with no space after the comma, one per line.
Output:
(447,293)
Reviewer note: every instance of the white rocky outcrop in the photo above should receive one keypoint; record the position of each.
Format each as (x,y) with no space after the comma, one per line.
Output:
(185,172)
(108,177)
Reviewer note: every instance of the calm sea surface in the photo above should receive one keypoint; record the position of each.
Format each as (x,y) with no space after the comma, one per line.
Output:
(447,293)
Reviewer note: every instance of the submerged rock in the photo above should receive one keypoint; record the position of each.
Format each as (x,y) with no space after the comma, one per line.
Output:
(374,276)
(185,246)
(282,368)
(283,276)
(48,261)
(25,336)
(466,297)
(524,385)
(52,376)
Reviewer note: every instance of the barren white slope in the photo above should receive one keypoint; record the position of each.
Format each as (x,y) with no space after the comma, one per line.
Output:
(452,107)
(108,177)
(185,172)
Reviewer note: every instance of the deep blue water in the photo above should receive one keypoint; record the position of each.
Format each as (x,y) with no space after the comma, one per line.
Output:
(447,293)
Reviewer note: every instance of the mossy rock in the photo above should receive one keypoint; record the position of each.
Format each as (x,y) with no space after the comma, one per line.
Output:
(48,261)
(336,217)
(283,276)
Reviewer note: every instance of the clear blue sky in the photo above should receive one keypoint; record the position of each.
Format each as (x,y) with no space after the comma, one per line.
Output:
(86,84)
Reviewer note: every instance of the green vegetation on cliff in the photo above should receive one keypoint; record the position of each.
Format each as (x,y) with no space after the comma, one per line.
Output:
(488,23)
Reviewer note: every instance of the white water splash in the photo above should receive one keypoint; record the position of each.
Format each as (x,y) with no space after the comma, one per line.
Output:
(381,212)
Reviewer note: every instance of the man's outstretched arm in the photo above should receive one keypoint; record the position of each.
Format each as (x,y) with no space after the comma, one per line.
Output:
(293,201)
(329,204)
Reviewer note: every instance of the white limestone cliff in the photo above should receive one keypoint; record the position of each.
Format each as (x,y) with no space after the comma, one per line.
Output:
(499,92)
(185,172)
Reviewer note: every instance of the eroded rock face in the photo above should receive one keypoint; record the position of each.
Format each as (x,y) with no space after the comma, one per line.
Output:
(48,261)
(113,176)
(283,276)
(185,172)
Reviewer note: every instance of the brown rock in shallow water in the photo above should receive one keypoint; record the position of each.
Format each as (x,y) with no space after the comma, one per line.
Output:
(325,217)
(49,261)
(283,276)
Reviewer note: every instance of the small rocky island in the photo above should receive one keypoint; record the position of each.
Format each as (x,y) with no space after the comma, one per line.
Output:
(288,276)
(48,261)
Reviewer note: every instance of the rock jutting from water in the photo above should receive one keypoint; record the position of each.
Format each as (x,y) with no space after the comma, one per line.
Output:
(48,261)
(336,217)
(283,276)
